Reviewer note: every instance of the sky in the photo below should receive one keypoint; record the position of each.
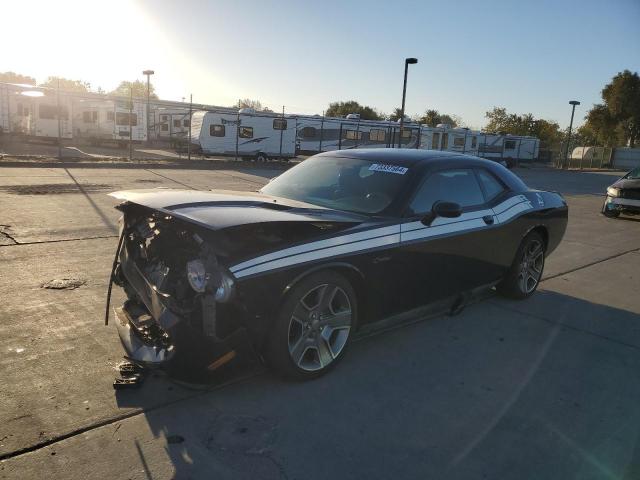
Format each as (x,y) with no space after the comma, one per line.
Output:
(526,56)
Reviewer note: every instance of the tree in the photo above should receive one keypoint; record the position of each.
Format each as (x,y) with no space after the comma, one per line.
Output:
(548,132)
(617,120)
(342,109)
(139,89)
(254,104)
(433,117)
(11,77)
(66,85)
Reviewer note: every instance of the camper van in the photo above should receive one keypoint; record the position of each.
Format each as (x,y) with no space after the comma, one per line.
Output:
(245,133)
(100,120)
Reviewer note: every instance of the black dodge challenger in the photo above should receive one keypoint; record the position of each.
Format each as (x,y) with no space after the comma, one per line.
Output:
(342,239)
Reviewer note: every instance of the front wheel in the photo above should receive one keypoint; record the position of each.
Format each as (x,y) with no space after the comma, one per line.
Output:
(525,273)
(262,157)
(313,327)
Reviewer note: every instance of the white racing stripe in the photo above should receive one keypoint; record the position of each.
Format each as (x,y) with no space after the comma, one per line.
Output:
(320,244)
(387,240)
(380,238)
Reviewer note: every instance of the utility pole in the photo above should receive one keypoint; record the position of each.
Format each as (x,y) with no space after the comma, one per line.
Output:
(407,62)
(281,125)
(148,73)
(130,115)
(189,139)
(237,129)
(573,104)
(58,112)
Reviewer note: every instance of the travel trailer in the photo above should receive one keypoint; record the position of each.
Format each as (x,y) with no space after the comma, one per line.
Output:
(443,137)
(246,134)
(170,123)
(100,120)
(508,148)
(322,134)
(33,112)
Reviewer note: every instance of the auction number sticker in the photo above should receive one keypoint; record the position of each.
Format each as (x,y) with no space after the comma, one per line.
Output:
(381,167)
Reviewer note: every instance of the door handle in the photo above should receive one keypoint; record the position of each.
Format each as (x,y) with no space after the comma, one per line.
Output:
(488,219)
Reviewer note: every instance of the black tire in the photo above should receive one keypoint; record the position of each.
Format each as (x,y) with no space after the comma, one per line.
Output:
(292,346)
(262,157)
(516,284)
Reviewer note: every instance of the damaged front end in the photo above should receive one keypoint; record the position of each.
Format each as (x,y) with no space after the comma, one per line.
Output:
(176,289)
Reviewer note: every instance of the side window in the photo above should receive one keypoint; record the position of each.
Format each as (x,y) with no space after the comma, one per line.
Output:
(279,123)
(216,130)
(492,186)
(458,186)
(308,132)
(435,143)
(353,135)
(510,145)
(245,132)
(377,135)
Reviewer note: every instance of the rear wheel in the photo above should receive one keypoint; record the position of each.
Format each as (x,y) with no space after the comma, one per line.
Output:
(526,270)
(262,157)
(314,326)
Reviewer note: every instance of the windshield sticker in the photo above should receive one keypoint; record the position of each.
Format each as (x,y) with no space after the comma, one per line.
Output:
(381,167)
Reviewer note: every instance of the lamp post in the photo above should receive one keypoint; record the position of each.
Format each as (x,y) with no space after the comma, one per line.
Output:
(573,104)
(407,62)
(148,73)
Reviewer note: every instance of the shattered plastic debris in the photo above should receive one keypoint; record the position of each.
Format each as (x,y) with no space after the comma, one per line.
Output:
(64,283)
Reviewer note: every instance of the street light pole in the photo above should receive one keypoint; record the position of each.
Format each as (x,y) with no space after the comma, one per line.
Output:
(148,73)
(573,104)
(407,61)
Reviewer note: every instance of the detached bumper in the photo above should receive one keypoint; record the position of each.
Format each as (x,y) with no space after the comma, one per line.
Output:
(139,342)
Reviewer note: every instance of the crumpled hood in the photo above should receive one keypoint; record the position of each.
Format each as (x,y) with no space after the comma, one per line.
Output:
(627,183)
(226,208)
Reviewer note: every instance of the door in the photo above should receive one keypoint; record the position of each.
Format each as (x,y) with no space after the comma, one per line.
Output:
(450,255)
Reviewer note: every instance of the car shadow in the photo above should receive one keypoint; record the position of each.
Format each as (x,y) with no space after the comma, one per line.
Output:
(545,388)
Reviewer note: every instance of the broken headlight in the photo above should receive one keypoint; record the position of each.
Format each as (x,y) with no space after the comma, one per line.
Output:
(198,278)
(197,275)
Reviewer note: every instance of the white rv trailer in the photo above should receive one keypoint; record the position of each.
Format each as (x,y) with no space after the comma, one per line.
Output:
(443,137)
(170,123)
(33,111)
(508,148)
(99,120)
(322,134)
(244,133)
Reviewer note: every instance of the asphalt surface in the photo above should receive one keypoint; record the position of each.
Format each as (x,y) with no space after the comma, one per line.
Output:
(544,388)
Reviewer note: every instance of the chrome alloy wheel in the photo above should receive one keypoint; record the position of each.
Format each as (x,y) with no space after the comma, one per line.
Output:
(531,267)
(319,327)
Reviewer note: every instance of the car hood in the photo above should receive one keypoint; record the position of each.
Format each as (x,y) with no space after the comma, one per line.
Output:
(221,209)
(627,183)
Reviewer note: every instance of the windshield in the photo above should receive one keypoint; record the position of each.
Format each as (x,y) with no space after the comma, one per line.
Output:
(350,184)
(634,174)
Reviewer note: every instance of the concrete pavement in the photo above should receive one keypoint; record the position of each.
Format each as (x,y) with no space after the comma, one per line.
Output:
(545,388)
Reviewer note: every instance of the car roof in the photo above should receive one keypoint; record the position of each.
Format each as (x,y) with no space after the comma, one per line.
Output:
(428,160)
(406,157)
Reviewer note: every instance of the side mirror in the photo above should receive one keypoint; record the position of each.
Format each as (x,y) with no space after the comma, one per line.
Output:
(442,209)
